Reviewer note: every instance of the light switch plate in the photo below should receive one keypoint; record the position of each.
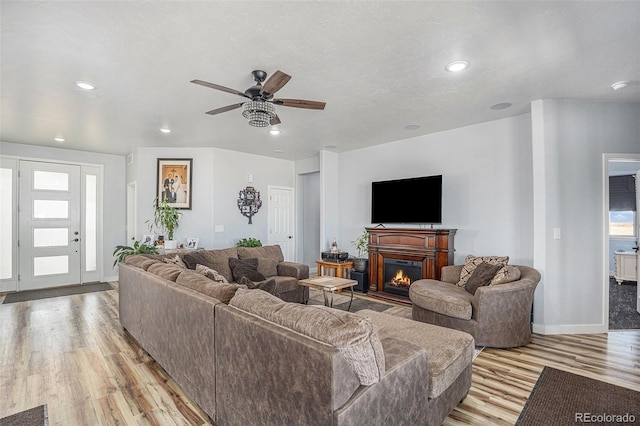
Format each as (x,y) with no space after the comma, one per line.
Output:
(218,228)
(557,234)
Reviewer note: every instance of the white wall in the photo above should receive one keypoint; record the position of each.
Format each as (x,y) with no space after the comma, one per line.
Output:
(487,182)
(114,190)
(569,140)
(218,176)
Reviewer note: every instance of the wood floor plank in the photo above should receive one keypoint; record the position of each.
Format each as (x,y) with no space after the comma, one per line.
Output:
(72,354)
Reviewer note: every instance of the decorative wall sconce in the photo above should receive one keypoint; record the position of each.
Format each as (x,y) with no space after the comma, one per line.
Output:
(249,202)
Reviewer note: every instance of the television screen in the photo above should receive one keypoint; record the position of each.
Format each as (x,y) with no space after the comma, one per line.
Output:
(413,200)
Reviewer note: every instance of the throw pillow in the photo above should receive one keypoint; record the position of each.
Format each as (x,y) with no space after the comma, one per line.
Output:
(507,274)
(175,260)
(481,276)
(212,274)
(472,262)
(191,260)
(245,268)
(268,285)
(204,285)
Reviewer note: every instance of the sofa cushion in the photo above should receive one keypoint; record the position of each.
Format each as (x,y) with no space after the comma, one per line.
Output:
(443,298)
(212,274)
(245,268)
(506,274)
(141,261)
(352,335)
(270,252)
(471,263)
(165,270)
(450,352)
(214,259)
(481,276)
(200,283)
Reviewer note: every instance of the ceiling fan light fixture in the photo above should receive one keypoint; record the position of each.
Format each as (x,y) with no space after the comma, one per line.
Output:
(259,113)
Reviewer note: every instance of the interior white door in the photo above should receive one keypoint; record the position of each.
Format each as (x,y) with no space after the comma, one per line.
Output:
(49,224)
(282,220)
(637,241)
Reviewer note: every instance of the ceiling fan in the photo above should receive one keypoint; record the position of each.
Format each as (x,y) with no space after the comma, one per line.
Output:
(259,109)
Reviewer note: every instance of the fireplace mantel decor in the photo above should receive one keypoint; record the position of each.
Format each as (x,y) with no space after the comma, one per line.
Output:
(434,248)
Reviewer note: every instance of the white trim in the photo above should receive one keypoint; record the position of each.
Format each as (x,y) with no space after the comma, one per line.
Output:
(570,328)
(606,158)
(109,279)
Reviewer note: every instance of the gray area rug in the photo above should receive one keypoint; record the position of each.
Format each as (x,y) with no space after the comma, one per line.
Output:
(622,305)
(32,417)
(45,293)
(563,398)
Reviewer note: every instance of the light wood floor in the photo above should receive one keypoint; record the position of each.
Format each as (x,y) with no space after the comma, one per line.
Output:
(72,354)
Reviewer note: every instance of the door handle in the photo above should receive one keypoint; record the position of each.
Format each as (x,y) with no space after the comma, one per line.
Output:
(75,240)
(290,237)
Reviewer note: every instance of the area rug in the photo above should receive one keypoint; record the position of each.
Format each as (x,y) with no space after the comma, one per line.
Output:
(45,293)
(563,398)
(36,416)
(622,305)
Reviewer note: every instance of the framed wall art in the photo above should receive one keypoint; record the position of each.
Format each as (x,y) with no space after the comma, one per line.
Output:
(174,182)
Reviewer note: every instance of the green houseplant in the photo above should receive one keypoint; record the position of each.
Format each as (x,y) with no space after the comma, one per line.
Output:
(120,252)
(361,243)
(165,219)
(249,242)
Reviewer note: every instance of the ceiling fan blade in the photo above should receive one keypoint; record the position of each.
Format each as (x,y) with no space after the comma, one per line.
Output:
(300,103)
(275,120)
(275,82)
(224,109)
(218,87)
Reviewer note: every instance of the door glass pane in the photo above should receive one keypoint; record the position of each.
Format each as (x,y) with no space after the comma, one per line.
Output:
(50,181)
(6,223)
(50,237)
(50,265)
(91,220)
(50,209)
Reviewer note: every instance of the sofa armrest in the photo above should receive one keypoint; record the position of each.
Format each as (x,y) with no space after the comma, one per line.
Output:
(292,269)
(451,273)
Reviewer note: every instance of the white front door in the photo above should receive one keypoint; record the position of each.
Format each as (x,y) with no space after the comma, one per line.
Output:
(49,223)
(282,220)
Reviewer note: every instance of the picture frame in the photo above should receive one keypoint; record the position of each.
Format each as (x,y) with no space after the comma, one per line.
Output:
(174,182)
(149,239)
(192,243)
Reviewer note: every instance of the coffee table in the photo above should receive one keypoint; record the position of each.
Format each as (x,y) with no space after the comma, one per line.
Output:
(329,284)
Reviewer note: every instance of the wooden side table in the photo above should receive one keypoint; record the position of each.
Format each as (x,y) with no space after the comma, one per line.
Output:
(339,269)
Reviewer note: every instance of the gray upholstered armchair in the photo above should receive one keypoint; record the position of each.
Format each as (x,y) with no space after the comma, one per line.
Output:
(496,316)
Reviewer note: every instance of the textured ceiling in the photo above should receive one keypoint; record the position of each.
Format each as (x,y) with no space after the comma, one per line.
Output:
(379,66)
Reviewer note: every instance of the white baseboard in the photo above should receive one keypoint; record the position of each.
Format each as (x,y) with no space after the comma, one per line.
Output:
(569,328)
(109,279)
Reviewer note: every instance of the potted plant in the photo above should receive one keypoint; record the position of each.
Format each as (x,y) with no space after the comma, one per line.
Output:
(249,242)
(361,243)
(165,219)
(120,252)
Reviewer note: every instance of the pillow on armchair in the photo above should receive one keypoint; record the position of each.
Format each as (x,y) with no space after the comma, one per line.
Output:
(481,276)
(471,263)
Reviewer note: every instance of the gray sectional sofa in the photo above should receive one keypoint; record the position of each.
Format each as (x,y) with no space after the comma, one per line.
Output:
(260,360)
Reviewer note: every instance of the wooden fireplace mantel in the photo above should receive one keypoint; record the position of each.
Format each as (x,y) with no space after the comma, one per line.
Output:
(433,247)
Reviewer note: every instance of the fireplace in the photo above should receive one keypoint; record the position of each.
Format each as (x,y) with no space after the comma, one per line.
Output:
(399,274)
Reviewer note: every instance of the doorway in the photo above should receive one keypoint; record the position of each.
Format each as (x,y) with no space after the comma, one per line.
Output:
(621,238)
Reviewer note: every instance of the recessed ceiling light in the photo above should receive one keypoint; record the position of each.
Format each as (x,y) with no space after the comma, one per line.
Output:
(411,127)
(274,132)
(501,105)
(277,151)
(85,85)
(456,66)
(165,130)
(58,139)
(619,85)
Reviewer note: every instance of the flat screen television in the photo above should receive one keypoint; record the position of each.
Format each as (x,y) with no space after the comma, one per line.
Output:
(413,200)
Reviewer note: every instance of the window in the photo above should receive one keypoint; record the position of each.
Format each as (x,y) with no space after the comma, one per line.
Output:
(622,223)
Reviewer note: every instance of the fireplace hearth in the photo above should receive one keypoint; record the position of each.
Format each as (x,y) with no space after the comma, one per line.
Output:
(399,274)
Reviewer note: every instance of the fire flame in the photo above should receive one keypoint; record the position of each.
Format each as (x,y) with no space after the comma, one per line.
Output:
(400,279)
